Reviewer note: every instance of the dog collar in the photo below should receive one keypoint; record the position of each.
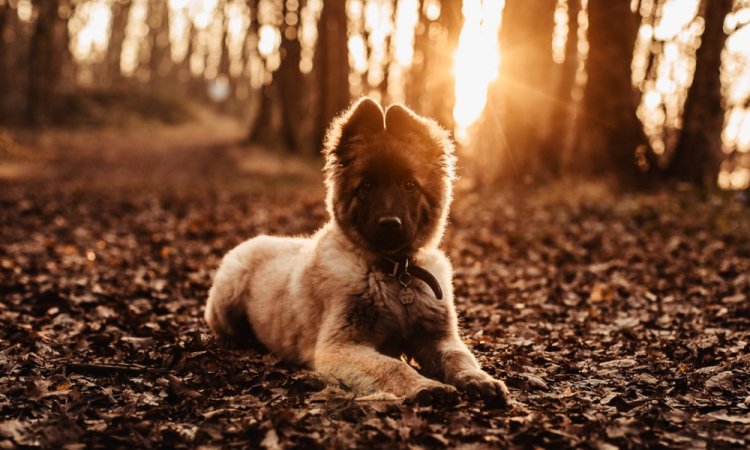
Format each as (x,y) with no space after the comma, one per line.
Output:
(404,269)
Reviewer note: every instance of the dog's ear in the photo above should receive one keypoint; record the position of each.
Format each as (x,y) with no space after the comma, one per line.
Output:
(400,121)
(364,118)
(403,122)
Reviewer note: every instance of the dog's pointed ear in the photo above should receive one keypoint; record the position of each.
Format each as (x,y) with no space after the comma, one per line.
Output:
(400,120)
(364,118)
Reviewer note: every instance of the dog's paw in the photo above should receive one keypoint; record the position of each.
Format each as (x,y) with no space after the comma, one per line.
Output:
(479,384)
(434,394)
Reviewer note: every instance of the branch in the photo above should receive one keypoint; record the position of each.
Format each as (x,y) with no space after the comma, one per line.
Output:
(112,368)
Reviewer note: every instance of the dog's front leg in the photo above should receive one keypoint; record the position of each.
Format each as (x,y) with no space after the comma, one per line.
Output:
(450,360)
(363,368)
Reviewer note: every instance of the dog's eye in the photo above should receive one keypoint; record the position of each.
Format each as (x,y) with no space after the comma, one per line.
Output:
(366,187)
(410,185)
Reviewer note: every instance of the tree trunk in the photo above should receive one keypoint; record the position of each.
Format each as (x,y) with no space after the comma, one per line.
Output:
(558,142)
(159,57)
(270,129)
(44,73)
(525,78)
(451,19)
(609,131)
(120,15)
(698,155)
(5,12)
(416,76)
(331,65)
(279,123)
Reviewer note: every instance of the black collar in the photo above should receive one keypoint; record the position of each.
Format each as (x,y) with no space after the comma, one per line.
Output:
(405,268)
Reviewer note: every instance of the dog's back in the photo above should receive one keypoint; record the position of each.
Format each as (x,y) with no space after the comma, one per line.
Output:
(259,269)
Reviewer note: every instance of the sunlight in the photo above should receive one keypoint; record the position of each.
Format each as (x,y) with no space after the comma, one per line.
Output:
(560,32)
(308,34)
(665,80)
(476,61)
(381,44)
(431,9)
(135,33)
(25,10)
(89,28)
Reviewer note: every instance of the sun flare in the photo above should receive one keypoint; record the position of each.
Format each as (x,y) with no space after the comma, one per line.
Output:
(476,61)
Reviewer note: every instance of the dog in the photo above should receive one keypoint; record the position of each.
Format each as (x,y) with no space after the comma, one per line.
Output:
(371,286)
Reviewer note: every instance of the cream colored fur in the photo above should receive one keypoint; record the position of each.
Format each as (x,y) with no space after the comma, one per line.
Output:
(321,302)
(296,294)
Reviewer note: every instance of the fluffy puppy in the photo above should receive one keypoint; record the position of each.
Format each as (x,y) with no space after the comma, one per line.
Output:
(371,285)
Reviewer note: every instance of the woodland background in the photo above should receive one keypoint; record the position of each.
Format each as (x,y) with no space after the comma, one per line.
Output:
(600,230)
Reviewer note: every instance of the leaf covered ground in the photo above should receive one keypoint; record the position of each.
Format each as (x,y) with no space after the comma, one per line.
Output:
(617,320)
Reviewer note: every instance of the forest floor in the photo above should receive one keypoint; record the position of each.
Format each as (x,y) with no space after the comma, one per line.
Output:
(617,320)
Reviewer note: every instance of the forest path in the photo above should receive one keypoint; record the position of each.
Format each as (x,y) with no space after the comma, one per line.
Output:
(615,319)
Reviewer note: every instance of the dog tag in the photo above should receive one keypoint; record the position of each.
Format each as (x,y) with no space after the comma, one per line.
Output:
(406,296)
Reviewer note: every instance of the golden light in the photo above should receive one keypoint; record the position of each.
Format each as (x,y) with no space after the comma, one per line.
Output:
(357,53)
(179,23)
(237,15)
(381,42)
(25,10)
(560,32)
(476,61)
(379,26)
(135,32)
(407,17)
(308,33)
(402,44)
(269,39)
(664,86)
(89,28)
(431,9)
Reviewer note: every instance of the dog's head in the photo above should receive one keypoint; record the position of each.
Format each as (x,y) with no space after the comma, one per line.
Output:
(389,177)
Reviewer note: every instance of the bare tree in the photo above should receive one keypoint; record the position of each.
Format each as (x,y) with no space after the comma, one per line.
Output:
(45,63)
(527,91)
(159,51)
(609,131)
(559,133)
(120,15)
(5,13)
(277,124)
(697,156)
(443,96)
(331,65)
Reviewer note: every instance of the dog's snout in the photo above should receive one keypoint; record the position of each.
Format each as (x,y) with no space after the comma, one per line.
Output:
(389,223)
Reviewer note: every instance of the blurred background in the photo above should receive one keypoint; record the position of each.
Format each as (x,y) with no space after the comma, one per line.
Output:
(532,90)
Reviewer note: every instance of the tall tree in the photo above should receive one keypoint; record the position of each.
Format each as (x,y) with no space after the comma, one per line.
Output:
(5,13)
(45,63)
(450,20)
(417,74)
(528,93)
(278,123)
(697,156)
(120,15)
(159,50)
(331,65)
(559,135)
(609,131)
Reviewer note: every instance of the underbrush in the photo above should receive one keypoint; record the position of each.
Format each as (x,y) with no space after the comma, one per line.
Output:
(120,105)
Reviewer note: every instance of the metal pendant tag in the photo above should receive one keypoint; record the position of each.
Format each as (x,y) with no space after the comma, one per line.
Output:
(406,296)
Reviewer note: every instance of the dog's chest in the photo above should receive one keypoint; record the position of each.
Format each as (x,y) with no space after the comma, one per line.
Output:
(388,311)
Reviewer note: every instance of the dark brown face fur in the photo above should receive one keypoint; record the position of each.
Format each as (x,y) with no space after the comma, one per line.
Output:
(389,178)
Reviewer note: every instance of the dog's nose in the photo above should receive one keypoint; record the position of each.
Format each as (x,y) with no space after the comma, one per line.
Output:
(389,223)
